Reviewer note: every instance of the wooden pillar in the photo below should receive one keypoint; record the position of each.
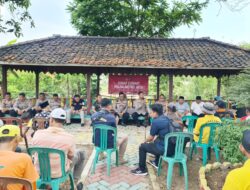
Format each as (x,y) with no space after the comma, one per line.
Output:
(158,86)
(4,80)
(98,84)
(170,87)
(37,83)
(218,86)
(89,102)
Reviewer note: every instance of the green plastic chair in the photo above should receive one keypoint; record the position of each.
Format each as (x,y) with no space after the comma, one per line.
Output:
(179,156)
(206,147)
(45,170)
(104,129)
(191,121)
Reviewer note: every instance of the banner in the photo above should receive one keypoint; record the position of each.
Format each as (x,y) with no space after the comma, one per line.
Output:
(129,84)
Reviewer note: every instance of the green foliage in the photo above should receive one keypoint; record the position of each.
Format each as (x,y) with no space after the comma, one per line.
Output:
(19,14)
(140,18)
(229,138)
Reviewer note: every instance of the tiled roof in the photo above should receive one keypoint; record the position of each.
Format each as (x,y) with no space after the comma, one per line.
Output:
(126,52)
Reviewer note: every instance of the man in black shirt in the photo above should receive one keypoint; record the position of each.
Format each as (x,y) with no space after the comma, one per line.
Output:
(77,107)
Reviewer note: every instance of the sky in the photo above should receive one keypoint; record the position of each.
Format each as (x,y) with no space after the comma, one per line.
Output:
(51,17)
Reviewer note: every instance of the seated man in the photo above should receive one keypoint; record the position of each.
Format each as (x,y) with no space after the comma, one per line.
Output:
(22,105)
(105,117)
(121,107)
(141,109)
(182,107)
(163,102)
(238,179)
(221,110)
(42,104)
(15,164)
(56,137)
(208,110)
(55,102)
(7,106)
(97,103)
(77,107)
(247,117)
(196,107)
(159,128)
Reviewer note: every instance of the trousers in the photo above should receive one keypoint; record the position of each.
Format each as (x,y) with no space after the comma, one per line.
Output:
(69,113)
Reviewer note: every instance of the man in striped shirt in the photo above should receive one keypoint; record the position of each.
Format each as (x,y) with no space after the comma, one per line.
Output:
(56,137)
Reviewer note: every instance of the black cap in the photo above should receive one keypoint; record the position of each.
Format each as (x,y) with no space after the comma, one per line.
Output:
(221,104)
(105,102)
(246,140)
(198,97)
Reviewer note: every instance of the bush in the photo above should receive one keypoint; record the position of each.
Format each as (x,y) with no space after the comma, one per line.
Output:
(229,138)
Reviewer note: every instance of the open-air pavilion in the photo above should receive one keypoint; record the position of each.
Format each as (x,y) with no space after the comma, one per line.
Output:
(120,55)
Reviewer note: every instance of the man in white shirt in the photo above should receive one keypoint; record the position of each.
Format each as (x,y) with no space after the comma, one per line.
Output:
(182,107)
(196,107)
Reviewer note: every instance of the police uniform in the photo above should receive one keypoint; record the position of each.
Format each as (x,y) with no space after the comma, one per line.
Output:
(141,109)
(121,106)
(76,106)
(54,104)
(164,105)
(22,105)
(7,108)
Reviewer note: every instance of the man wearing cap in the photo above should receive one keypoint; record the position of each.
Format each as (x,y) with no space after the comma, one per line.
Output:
(56,137)
(15,164)
(196,107)
(238,179)
(105,117)
(208,111)
(182,107)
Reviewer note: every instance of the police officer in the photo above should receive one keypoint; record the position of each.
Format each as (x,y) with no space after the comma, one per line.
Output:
(121,107)
(104,116)
(22,105)
(7,106)
(141,109)
(42,104)
(97,103)
(77,107)
(55,102)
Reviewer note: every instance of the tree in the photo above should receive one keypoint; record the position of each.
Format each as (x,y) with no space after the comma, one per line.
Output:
(18,11)
(140,18)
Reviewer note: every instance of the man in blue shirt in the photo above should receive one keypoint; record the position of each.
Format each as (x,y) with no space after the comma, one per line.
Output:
(160,127)
(104,116)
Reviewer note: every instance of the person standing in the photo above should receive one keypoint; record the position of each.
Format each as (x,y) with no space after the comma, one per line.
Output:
(196,107)
(22,105)
(163,102)
(14,164)
(7,106)
(121,107)
(78,108)
(56,137)
(104,116)
(238,179)
(182,107)
(141,109)
(159,128)
(55,102)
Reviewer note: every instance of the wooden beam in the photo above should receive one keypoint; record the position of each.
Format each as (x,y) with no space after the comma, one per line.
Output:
(37,83)
(4,80)
(170,87)
(218,86)
(158,86)
(98,84)
(89,102)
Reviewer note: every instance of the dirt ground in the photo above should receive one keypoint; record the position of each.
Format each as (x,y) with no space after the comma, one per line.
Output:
(216,178)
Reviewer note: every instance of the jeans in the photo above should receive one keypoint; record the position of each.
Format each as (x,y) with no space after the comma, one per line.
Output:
(152,148)
(77,164)
(136,115)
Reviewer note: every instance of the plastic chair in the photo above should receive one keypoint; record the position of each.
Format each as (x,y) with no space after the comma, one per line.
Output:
(103,147)
(191,122)
(179,156)
(45,169)
(6,181)
(206,147)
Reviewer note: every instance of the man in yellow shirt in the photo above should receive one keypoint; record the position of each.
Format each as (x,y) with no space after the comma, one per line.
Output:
(14,164)
(208,109)
(238,179)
